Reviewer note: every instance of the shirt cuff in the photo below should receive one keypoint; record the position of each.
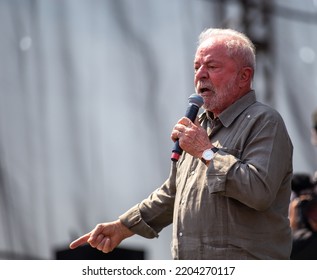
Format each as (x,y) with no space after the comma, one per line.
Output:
(132,219)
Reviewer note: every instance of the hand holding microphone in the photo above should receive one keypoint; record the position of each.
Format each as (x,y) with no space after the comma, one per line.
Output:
(195,102)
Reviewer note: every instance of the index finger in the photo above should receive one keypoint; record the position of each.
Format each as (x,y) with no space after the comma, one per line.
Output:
(185,121)
(79,241)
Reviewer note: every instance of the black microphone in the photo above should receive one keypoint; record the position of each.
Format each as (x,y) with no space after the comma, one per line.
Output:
(195,102)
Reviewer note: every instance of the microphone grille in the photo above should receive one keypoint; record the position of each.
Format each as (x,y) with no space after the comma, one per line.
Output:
(196,99)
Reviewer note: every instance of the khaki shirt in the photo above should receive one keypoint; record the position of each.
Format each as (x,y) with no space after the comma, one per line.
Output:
(237,208)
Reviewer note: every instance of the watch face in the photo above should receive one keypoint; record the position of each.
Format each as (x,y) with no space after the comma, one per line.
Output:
(208,154)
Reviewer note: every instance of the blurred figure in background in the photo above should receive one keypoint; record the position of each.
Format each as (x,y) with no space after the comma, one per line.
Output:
(302,190)
(305,238)
(303,210)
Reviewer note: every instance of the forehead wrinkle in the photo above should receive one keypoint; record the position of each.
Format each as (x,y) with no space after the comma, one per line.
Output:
(212,50)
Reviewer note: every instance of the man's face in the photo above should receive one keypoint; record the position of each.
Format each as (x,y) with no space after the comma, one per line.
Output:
(216,76)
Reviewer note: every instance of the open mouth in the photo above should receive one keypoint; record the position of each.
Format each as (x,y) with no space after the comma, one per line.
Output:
(202,90)
(205,90)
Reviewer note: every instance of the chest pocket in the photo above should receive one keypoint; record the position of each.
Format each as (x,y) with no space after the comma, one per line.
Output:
(216,180)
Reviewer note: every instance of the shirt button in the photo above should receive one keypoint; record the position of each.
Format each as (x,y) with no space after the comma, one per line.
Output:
(180,234)
(192,173)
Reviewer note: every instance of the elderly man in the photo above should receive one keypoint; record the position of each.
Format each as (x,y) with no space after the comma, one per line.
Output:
(228,194)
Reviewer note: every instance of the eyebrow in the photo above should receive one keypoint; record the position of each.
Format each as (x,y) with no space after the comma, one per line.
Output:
(208,60)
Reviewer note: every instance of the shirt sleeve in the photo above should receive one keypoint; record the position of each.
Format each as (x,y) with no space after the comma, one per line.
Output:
(133,220)
(154,213)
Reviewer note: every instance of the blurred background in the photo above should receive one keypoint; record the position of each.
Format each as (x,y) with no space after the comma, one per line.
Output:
(89,93)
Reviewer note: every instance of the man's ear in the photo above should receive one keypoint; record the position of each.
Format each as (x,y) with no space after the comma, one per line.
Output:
(246,75)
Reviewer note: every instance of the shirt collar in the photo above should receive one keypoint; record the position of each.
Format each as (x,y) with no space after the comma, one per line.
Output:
(233,111)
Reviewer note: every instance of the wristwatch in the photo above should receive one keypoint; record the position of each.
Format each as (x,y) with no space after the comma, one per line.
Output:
(209,154)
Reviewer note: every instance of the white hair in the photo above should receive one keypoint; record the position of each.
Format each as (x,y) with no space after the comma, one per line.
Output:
(238,44)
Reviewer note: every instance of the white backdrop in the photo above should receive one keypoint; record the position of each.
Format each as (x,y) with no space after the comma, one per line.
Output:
(90,91)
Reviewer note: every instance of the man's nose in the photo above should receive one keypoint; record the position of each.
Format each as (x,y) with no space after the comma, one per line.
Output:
(201,73)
